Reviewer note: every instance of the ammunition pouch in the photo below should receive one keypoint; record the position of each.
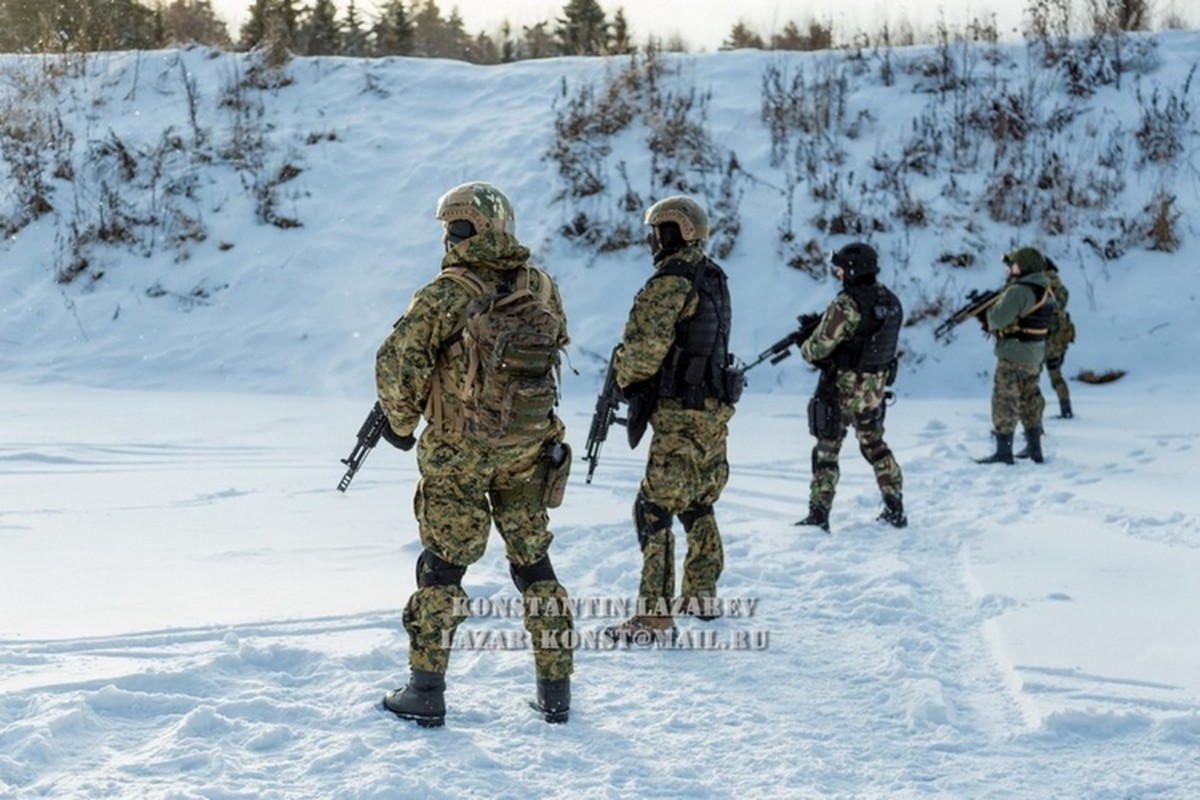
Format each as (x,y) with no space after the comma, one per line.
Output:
(643,399)
(733,381)
(556,468)
(889,372)
(824,412)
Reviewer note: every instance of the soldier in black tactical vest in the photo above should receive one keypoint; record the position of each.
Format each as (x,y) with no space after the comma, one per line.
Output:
(855,345)
(673,364)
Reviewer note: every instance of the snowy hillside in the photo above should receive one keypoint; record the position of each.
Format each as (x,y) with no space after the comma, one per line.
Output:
(188,609)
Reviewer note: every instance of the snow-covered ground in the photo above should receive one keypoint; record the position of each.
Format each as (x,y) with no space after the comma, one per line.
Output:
(189,609)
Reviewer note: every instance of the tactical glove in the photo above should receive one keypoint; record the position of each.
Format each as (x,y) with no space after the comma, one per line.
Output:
(405,442)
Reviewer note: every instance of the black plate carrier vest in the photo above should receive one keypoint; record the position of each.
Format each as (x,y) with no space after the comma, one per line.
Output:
(693,370)
(872,347)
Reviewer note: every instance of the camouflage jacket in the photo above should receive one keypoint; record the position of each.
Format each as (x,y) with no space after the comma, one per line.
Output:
(839,322)
(859,392)
(650,328)
(1061,331)
(419,372)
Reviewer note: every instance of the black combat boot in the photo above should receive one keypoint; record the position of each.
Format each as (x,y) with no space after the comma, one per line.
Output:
(1003,454)
(554,699)
(893,511)
(423,700)
(1065,409)
(816,516)
(1033,445)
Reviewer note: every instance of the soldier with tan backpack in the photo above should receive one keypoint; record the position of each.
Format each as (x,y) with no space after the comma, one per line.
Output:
(476,355)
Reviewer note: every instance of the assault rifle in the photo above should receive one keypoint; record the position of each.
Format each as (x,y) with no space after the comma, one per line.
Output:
(368,437)
(783,348)
(977,305)
(605,415)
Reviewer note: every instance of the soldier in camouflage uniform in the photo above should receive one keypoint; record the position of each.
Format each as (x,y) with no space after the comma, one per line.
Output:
(855,345)
(674,358)
(1060,335)
(1019,319)
(467,485)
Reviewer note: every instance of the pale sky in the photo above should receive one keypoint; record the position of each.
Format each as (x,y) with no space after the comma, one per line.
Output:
(704,24)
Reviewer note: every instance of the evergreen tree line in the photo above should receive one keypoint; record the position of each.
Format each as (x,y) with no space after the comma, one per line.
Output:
(413,28)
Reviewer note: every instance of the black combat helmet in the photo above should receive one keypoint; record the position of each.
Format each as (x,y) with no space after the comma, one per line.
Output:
(858,261)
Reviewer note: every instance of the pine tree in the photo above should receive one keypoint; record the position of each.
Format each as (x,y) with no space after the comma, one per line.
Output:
(193,21)
(254,29)
(354,37)
(583,30)
(430,35)
(320,30)
(393,30)
(536,41)
(621,44)
(742,37)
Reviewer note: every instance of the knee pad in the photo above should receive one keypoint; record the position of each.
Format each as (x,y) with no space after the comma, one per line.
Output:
(822,456)
(435,571)
(526,575)
(874,452)
(649,518)
(870,421)
(694,512)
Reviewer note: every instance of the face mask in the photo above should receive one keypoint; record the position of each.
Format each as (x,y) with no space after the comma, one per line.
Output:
(457,231)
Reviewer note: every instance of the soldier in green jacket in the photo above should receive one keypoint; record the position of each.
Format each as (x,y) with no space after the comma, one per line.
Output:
(1019,319)
(673,359)
(468,483)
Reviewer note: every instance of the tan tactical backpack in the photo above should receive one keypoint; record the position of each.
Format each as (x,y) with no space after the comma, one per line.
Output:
(511,342)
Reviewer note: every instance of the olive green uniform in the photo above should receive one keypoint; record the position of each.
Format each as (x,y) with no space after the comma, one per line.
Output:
(1015,393)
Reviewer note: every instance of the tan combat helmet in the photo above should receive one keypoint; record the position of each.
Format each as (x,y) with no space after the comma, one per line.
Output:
(684,212)
(482,204)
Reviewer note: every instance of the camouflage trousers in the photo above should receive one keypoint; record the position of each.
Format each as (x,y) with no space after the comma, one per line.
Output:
(1016,396)
(464,488)
(685,473)
(860,403)
(1054,362)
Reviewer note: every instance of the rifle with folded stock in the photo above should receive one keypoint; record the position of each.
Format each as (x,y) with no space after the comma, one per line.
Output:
(368,437)
(977,305)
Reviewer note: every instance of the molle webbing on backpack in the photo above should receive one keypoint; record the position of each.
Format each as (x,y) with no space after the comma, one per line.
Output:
(510,339)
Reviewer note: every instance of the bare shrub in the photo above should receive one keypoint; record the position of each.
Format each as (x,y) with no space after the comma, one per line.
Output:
(1163,222)
(683,156)
(1161,132)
